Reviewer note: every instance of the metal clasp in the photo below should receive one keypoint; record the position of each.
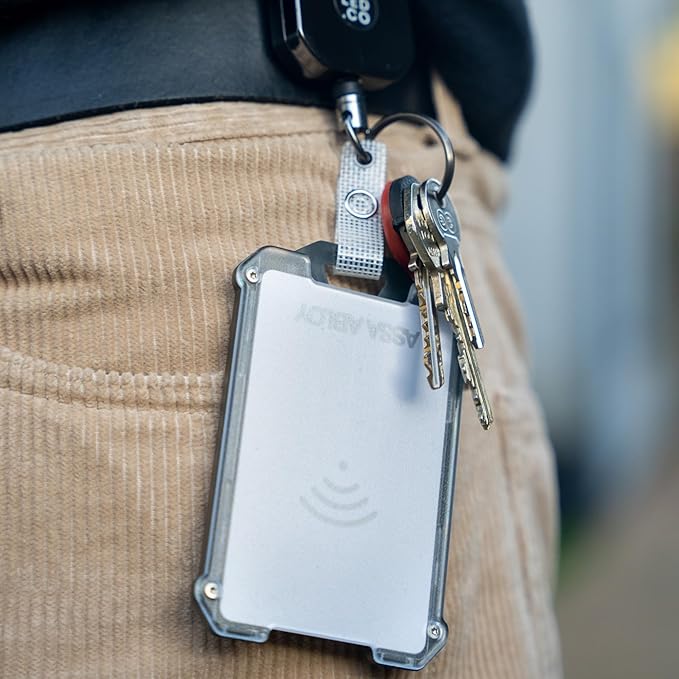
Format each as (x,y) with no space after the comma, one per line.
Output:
(352,115)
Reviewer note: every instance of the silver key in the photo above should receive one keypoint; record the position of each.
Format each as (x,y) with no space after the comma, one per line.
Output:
(431,338)
(424,260)
(442,221)
(418,238)
(469,366)
(444,224)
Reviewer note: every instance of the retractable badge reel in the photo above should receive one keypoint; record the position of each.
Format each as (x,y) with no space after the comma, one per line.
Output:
(332,496)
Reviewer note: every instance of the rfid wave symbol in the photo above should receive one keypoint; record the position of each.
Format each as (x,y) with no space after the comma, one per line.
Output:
(334,503)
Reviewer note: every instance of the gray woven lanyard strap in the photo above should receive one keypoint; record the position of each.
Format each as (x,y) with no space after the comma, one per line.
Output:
(358,226)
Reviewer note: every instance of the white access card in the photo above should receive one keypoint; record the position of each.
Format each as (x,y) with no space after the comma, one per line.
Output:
(335,504)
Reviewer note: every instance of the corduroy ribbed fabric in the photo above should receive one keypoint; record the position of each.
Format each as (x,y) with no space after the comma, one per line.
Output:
(118,237)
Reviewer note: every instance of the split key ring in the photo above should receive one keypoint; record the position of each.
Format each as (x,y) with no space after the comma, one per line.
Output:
(433,125)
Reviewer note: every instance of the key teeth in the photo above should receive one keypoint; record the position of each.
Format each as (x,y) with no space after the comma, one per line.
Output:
(484,410)
(461,350)
(485,421)
(484,414)
(464,367)
(439,353)
(426,342)
(466,360)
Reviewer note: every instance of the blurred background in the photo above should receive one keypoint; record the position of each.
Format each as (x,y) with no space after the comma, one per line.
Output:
(592,235)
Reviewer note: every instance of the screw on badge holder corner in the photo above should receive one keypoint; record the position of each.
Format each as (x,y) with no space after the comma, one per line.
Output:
(252,275)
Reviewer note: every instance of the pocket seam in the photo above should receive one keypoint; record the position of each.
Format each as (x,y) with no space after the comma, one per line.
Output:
(107,390)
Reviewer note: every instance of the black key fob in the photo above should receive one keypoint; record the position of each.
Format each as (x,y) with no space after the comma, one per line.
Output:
(322,39)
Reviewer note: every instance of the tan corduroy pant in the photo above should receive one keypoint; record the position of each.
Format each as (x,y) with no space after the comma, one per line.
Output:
(118,236)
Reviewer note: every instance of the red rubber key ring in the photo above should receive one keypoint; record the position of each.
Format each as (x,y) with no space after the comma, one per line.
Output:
(395,243)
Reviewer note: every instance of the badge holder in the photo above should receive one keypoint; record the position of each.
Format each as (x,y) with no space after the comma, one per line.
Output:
(334,482)
(333,486)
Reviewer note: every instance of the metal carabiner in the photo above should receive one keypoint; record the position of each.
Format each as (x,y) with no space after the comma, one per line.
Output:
(442,135)
(364,156)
